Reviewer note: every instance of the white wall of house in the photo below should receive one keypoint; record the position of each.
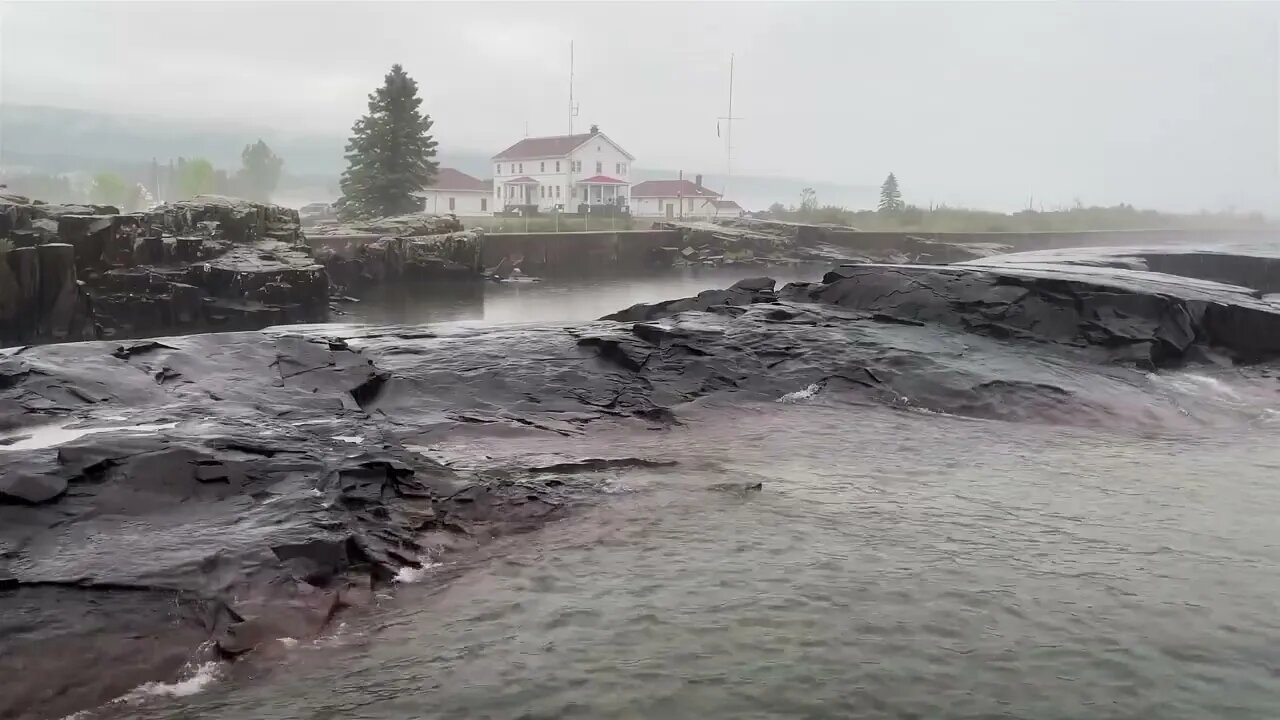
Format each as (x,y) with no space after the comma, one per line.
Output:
(693,208)
(458,202)
(557,177)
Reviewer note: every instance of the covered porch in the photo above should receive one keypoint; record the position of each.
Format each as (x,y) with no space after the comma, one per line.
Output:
(602,190)
(521,191)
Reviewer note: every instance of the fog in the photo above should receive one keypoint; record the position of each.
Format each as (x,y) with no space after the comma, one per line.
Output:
(1171,106)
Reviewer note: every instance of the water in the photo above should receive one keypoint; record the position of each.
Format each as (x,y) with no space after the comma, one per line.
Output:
(552,299)
(895,564)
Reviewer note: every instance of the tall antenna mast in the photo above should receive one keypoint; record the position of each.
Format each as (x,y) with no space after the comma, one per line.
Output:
(573,108)
(728,133)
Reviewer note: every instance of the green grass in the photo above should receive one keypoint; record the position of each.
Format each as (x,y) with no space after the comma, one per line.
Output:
(946,219)
(549,223)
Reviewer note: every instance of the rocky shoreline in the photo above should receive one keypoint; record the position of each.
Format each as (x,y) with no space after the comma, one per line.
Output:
(209,264)
(204,496)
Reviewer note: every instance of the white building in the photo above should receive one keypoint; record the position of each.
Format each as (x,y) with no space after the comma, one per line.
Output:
(452,191)
(679,199)
(728,209)
(563,170)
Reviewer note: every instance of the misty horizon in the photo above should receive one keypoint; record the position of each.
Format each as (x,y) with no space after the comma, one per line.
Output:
(1172,107)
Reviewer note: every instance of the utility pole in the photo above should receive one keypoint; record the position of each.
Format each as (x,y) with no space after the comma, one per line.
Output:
(728,134)
(573,108)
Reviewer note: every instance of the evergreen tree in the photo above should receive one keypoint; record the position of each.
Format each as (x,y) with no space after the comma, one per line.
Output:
(890,196)
(390,153)
(259,173)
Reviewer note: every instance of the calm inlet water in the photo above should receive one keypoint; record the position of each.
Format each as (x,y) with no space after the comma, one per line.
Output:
(895,564)
(553,300)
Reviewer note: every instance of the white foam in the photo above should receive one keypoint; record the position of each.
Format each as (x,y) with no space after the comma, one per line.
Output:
(353,439)
(410,575)
(201,677)
(800,395)
(1196,384)
(288,642)
(47,436)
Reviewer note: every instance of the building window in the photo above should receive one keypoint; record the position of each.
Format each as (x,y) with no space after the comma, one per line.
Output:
(499,170)
(451,208)
(557,192)
(542,167)
(584,194)
(599,167)
(484,204)
(521,168)
(542,191)
(618,168)
(557,166)
(690,204)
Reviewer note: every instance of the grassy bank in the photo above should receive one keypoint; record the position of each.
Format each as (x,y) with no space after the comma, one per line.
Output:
(548,223)
(945,219)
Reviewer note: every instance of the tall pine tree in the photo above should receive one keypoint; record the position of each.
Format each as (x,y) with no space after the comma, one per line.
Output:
(890,196)
(389,156)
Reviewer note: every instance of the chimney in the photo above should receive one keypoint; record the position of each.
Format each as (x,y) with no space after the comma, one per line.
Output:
(595,129)
(697,180)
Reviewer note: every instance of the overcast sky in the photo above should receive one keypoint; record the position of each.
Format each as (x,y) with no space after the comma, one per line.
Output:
(1166,105)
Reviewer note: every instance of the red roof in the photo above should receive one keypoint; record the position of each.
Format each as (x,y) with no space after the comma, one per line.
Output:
(543,147)
(670,189)
(726,205)
(525,180)
(450,179)
(552,147)
(603,180)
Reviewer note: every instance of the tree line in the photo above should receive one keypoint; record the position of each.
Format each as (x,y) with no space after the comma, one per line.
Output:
(256,179)
(390,157)
(892,213)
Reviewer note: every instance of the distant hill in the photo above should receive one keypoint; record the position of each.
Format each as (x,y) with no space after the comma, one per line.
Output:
(63,140)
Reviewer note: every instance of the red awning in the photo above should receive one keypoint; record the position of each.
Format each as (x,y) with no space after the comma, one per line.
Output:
(602,180)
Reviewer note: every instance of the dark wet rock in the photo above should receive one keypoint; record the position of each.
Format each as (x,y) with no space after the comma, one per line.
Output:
(737,488)
(597,464)
(756,241)
(412,225)
(294,473)
(210,263)
(413,259)
(31,488)
(124,352)
(758,290)
(1135,316)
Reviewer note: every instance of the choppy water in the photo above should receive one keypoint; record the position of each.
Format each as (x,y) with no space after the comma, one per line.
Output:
(896,564)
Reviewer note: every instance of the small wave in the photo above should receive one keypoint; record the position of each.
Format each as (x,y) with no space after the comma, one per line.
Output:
(353,439)
(1195,384)
(409,575)
(201,677)
(801,395)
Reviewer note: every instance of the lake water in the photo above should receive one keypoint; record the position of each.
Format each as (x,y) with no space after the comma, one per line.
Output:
(894,565)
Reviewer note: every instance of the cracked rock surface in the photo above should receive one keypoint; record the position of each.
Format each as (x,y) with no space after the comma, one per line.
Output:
(168,499)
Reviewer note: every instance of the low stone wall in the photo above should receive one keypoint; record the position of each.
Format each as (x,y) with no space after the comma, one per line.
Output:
(551,254)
